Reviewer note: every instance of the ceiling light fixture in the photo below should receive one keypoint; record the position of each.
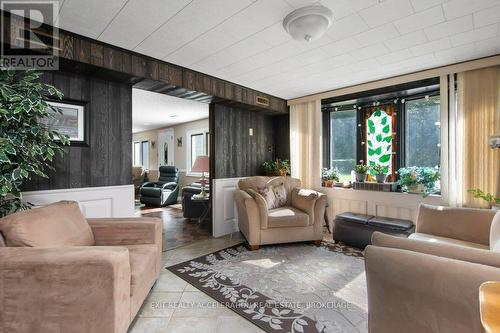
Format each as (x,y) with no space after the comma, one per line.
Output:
(308,23)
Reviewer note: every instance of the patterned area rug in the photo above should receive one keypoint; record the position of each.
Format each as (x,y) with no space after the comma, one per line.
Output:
(286,288)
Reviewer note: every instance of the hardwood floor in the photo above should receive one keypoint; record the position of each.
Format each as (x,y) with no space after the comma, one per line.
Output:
(177,231)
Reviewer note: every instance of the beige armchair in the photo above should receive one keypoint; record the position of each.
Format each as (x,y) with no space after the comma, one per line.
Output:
(301,219)
(60,272)
(430,281)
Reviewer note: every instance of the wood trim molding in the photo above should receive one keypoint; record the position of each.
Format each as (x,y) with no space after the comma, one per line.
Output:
(157,75)
(425,74)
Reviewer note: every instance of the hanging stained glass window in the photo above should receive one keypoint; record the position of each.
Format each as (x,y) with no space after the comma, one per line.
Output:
(379,140)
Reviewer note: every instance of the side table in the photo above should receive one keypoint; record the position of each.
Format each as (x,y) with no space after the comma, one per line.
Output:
(206,204)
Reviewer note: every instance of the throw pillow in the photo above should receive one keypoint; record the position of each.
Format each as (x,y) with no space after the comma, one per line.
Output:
(268,195)
(56,225)
(280,194)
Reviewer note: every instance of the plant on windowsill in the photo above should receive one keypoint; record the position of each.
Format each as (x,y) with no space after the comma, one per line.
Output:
(27,146)
(488,197)
(276,168)
(361,170)
(419,180)
(330,176)
(380,172)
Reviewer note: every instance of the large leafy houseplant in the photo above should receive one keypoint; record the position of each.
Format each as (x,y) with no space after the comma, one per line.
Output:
(27,145)
(276,168)
(412,178)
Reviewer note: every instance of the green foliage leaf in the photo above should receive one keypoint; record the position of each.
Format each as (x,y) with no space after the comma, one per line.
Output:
(378,113)
(371,152)
(385,158)
(384,121)
(388,139)
(379,138)
(378,151)
(386,129)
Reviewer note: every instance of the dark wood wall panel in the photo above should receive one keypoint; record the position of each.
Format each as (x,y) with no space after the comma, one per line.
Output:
(107,160)
(282,137)
(236,153)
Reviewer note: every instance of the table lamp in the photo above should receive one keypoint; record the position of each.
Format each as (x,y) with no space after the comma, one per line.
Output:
(202,165)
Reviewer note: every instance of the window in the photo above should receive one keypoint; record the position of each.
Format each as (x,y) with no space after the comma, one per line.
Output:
(422,132)
(197,146)
(141,154)
(398,128)
(343,142)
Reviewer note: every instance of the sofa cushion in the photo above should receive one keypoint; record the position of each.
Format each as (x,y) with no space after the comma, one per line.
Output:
(445,240)
(281,195)
(390,223)
(268,195)
(495,233)
(56,225)
(287,216)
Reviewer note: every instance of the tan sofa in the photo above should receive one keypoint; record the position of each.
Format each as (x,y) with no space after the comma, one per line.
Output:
(60,272)
(430,281)
(301,219)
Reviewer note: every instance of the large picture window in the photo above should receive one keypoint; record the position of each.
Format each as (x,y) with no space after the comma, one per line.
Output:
(197,143)
(140,154)
(395,129)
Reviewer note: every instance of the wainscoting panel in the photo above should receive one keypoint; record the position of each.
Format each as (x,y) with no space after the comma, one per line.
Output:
(107,201)
(397,205)
(224,214)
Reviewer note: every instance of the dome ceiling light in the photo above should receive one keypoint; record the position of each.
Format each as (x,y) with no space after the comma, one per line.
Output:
(308,23)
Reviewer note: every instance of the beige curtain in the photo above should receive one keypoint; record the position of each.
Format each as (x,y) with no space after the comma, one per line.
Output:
(479,98)
(305,143)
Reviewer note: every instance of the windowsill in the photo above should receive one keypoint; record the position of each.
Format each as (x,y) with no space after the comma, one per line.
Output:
(367,191)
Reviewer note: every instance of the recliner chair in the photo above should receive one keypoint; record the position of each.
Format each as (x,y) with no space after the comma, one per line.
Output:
(163,192)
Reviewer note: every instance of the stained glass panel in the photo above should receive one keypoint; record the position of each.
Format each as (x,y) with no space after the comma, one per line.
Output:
(379,140)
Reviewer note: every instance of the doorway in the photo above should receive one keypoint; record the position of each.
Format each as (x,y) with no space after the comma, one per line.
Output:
(166,151)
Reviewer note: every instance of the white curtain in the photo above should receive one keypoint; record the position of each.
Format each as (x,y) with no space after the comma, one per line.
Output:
(452,131)
(305,143)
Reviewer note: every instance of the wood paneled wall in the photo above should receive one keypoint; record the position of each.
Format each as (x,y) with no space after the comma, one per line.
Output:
(237,153)
(107,160)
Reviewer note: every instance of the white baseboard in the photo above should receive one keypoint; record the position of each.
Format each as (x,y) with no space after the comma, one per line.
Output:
(105,201)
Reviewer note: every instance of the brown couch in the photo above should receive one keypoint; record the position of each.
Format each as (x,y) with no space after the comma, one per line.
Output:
(301,219)
(60,272)
(430,281)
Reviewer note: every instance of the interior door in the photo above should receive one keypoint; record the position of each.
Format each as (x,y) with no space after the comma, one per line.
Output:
(166,147)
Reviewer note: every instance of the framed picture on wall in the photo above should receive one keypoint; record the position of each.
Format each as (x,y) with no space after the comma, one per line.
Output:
(71,122)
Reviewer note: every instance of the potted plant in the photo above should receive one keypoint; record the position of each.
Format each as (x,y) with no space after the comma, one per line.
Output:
(361,170)
(27,145)
(276,168)
(488,197)
(330,175)
(380,172)
(419,180)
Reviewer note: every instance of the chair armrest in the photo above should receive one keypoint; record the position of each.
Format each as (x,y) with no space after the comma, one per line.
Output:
(261,205)
(71,289)
(248,216)
(415,292)
(169,185)
(478,256)
(149,184)
(305,200)
(126,231)
(472,225)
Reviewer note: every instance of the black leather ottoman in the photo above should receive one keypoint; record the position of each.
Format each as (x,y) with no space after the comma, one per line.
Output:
(357,229)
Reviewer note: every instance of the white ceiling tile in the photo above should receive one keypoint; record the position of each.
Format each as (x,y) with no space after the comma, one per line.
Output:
(370,51)
(430,47)
(405,41)
(376,35)
(487,16)
(88,18)
(365,65)
(266,13)
(341,47)
(343,8)
(458,8)
(474,35)
(394,57)
(385,12)
(456,53)
(274,35)
(121,33)
(420,20)
(347,27)
(488,47)
(449,28)
(420,5)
